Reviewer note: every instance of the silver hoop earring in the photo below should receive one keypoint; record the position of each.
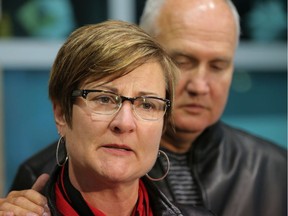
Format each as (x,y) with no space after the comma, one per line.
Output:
(167,171)
(61,141)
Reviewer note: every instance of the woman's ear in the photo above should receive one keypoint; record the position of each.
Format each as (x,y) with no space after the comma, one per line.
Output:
(59,117)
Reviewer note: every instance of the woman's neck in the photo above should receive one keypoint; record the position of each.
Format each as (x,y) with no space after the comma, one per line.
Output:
(112,201)
(108,197)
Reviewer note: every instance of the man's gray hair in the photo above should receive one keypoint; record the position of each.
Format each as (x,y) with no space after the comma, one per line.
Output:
(153,7)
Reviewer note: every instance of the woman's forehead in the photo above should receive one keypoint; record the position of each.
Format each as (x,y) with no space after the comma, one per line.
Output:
(148,77)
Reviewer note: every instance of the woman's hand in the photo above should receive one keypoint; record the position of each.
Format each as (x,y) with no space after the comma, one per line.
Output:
(26,202)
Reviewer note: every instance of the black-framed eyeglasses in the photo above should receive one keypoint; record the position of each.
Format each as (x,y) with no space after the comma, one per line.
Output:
(108,103)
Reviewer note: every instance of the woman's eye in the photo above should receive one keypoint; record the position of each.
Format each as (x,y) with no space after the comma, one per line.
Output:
(104,99)
(147,106)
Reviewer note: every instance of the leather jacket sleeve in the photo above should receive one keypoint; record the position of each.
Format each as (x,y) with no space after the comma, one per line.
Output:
(188,210)
(238,173)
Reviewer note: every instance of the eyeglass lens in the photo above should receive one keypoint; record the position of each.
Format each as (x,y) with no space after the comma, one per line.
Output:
(105,103)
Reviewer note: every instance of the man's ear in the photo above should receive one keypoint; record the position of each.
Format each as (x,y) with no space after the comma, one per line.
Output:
(59,116)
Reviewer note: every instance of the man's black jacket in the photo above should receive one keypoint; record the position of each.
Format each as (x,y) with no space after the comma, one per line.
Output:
(238,174)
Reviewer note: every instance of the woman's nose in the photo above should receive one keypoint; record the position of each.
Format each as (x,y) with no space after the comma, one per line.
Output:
(124,121)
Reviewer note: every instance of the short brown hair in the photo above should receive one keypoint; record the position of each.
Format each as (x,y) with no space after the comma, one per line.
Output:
(108,49)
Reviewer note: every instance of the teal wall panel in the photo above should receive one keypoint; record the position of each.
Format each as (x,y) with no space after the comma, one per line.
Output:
(28,117)
(258,103)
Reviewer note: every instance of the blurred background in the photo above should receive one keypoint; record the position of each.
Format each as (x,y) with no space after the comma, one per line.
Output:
(32,31)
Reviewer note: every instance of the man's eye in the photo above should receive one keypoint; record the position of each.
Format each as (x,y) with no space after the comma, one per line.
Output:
(219,66)
(185,63)
(181,60)
(182,63)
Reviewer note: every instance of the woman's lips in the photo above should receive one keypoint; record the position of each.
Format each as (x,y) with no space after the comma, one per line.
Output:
(117,149)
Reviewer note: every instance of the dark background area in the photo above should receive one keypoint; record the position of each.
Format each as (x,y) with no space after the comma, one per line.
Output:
(263,20)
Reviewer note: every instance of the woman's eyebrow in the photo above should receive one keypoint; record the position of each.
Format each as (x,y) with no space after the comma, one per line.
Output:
(143,93)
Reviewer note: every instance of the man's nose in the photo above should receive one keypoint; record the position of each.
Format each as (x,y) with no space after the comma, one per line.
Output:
(197,81)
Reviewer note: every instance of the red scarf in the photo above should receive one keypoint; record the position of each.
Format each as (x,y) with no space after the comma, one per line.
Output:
(67,195)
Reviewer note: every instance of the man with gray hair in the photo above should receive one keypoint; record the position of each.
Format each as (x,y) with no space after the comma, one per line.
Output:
(226,170)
